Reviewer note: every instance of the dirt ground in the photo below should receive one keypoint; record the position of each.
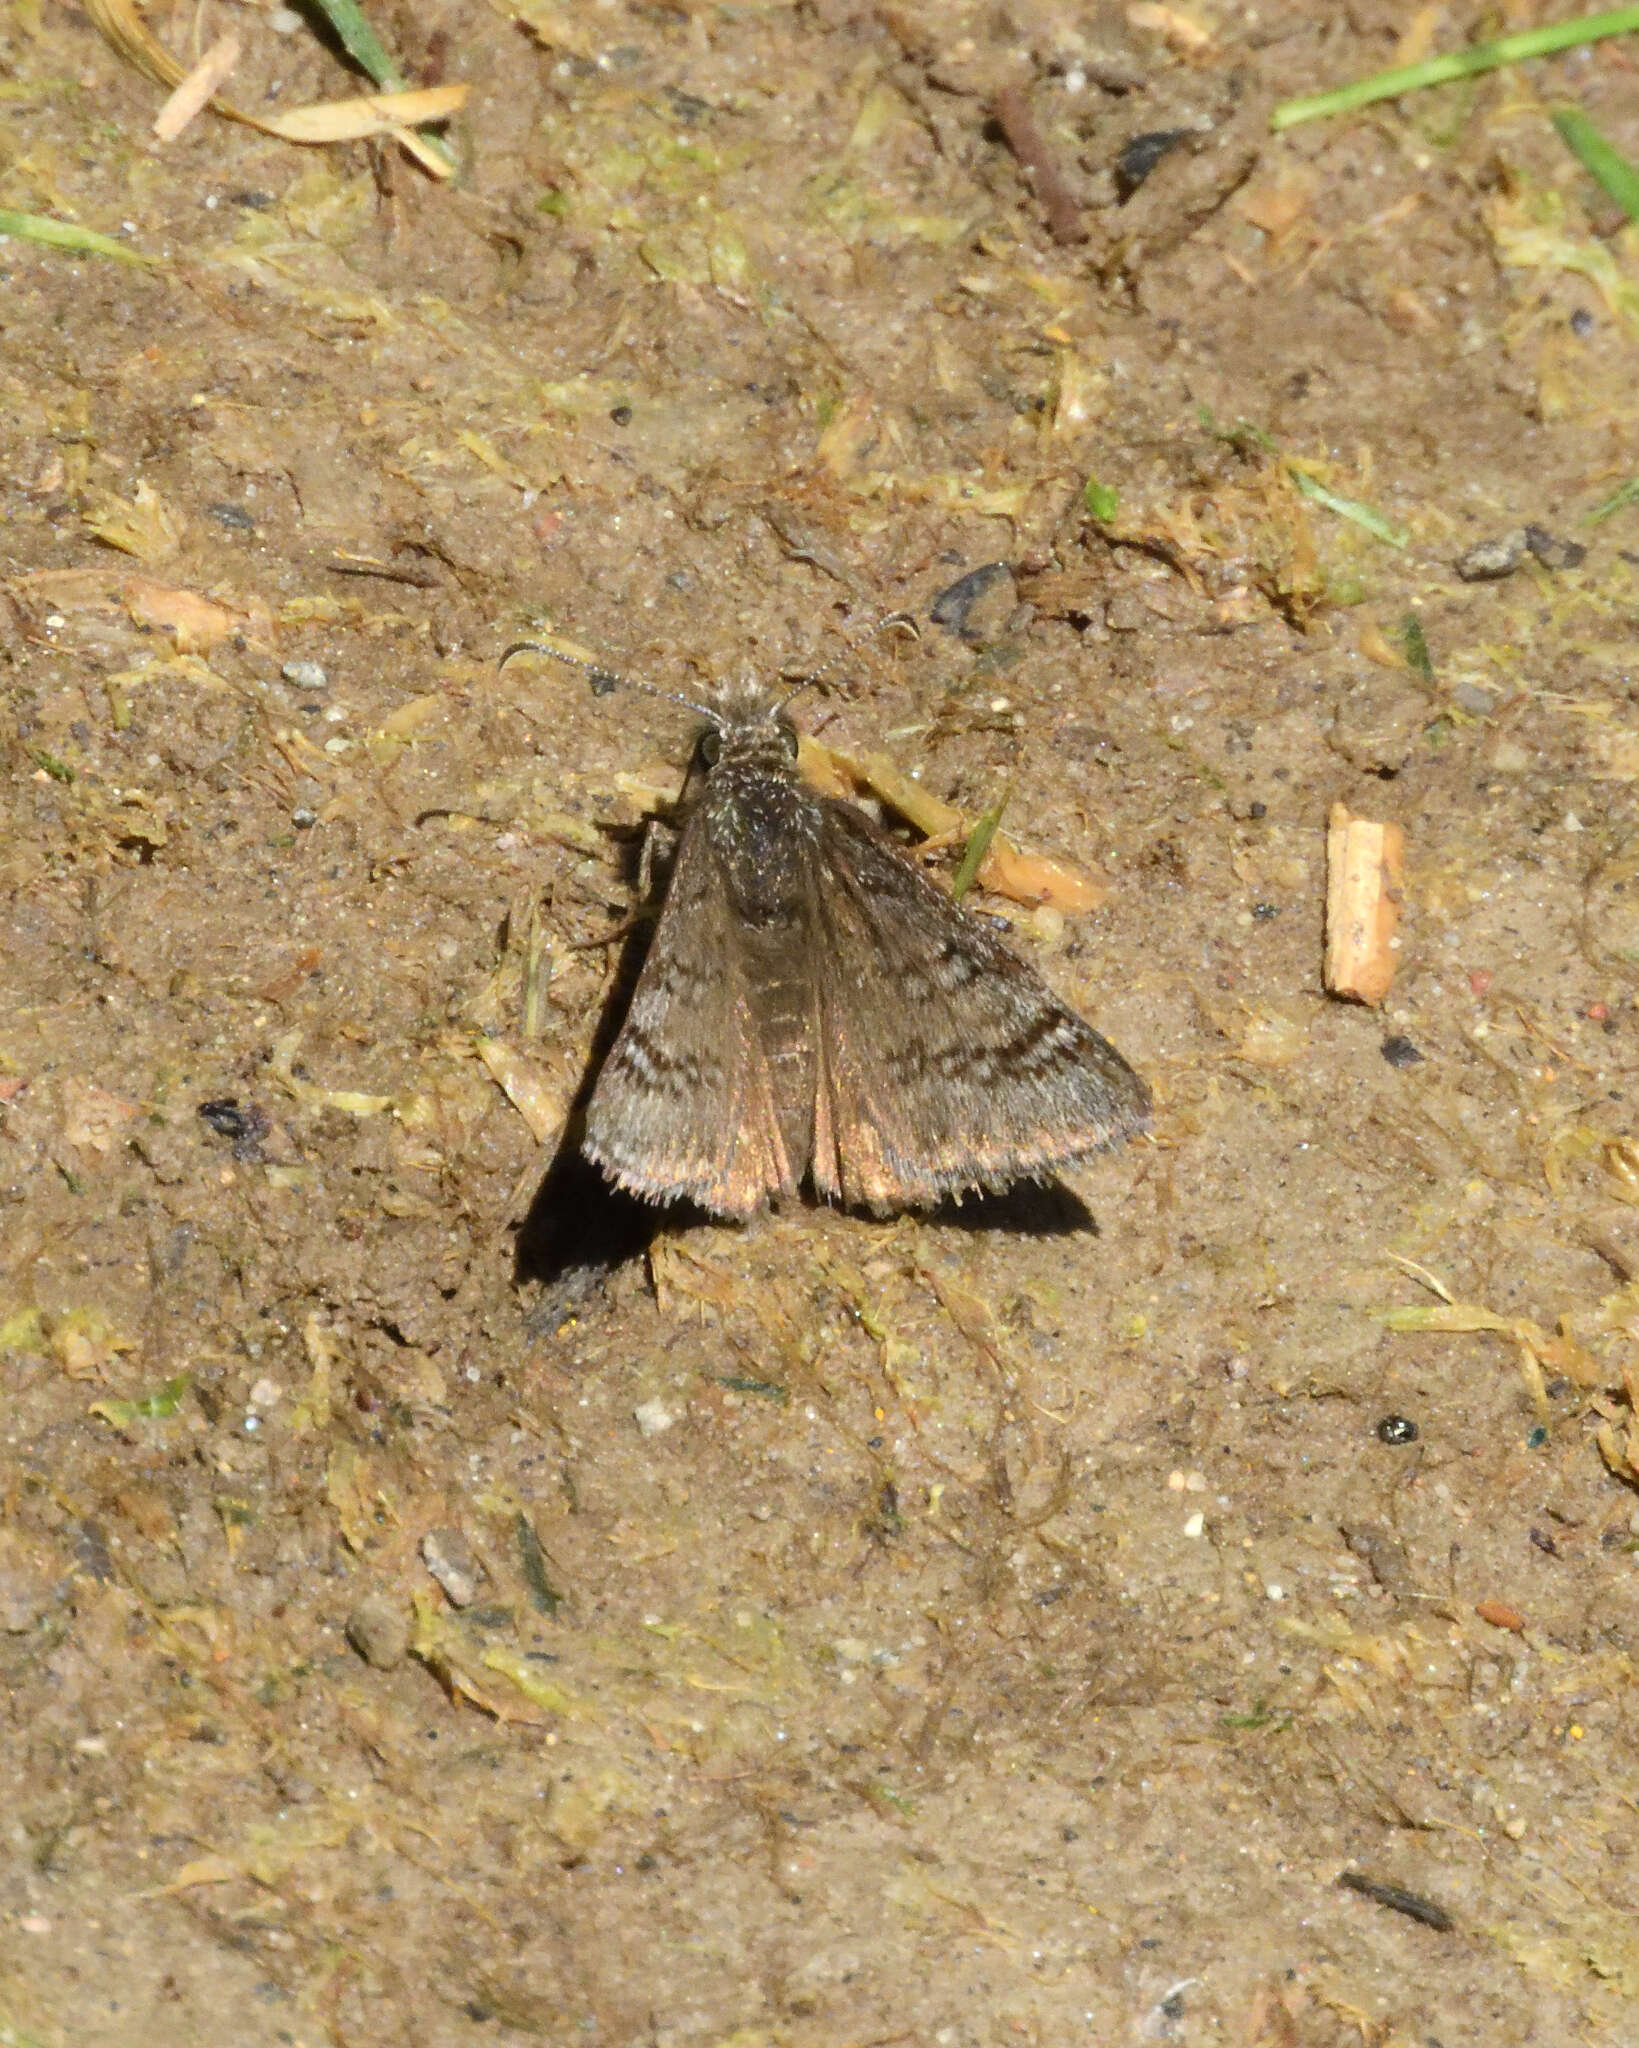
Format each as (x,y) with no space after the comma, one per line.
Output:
(443,1604)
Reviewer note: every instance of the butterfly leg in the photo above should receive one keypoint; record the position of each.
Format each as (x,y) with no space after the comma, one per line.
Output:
(654,851)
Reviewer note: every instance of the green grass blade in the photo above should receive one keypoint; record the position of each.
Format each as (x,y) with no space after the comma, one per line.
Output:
(978,845)
(1364,516)
(1604,163)
(63,234)
(1515,49)
(361,43)
(1415,642)
(1618,501)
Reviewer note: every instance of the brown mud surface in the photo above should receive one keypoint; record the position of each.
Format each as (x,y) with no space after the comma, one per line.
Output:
(431,1614)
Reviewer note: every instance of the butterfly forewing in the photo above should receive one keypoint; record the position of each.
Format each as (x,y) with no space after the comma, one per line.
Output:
(685,1104)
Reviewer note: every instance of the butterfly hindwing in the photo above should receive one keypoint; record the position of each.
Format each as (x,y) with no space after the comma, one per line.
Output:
(944,1061)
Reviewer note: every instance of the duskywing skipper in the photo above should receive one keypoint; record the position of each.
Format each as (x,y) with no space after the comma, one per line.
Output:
(813,1007)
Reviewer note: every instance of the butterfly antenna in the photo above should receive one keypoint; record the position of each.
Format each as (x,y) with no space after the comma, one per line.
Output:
(853,642)
(604,680)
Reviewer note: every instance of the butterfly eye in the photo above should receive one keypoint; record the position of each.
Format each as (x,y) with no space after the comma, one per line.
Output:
(711,745)
(788,737)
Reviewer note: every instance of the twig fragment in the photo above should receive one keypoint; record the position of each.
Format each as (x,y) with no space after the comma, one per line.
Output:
(1025,139)
(1398,1899)
(1365,863)
(195,93)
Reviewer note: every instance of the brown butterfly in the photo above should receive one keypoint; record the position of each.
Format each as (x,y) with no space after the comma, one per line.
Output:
(813,1007)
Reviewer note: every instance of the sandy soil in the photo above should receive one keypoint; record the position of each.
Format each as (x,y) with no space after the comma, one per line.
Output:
(442,1604)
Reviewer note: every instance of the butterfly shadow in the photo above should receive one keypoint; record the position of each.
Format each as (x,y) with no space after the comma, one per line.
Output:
(1030,1208)
(580,1226)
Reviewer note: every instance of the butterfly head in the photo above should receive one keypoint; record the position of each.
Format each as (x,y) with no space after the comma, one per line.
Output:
(748,728)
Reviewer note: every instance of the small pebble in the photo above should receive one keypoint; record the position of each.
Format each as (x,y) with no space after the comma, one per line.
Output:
(448,1556)
(304,818)
(1397,1429)
(305,675)
(1488,560)
(1553,553)
(380,1631)
(1501,1614)
(245,1127)
(1141,155)
(988,590)
(225,1117)
(234,517)
(653,1418)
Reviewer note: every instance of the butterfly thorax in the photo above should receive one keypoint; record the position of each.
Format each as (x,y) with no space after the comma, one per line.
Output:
(762,825)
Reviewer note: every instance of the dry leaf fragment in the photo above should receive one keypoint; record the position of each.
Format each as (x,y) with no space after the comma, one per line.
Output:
(389,113)
(1038,879)
(540,1105)
(198,623)
(1620,1450)
(459,1664)
(381,113)
(849,436)
(1619,1158)
(1031,878)
(1364,891)
(86,1342)
(1558,1353)
(1376,647)
(409,717)
(1417,37)
(1270,1036)
(313,1410)
(145,527)
(351,1491)
(554,26)
(309,1094)
(283,986)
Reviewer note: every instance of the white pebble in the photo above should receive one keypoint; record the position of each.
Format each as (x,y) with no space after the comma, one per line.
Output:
(653,1418)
